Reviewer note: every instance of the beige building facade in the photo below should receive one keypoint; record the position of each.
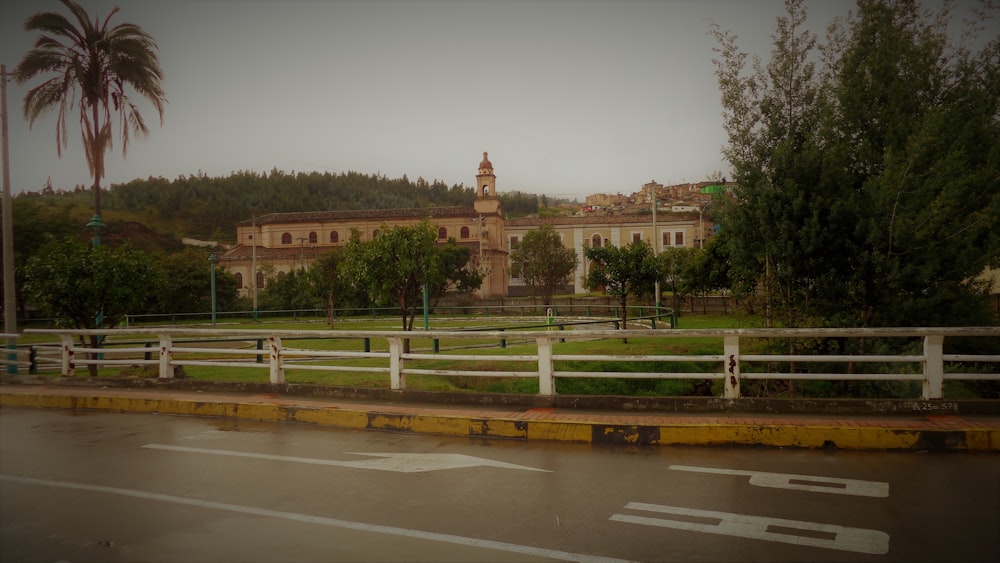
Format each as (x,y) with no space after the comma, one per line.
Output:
(580,232)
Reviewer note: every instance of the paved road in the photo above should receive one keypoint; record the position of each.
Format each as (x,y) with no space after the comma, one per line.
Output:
(138,487)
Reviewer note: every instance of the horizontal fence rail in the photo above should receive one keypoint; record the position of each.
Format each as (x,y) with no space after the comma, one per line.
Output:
(166,349)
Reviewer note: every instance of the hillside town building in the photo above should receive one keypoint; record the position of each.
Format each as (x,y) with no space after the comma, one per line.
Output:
(277,243)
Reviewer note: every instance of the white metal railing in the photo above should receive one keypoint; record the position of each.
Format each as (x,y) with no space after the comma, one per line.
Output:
(214,347)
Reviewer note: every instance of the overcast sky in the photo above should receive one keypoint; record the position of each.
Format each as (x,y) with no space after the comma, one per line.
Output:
(569,97)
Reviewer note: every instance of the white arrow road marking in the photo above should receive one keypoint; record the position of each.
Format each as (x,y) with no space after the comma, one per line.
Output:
(400,463)
(796,532)
(811,483)
(534,552)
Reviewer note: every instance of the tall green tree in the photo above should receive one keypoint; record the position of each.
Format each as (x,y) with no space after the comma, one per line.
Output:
(91,67)
(630,270)
(543,262)
(869,191)
(397,264)
(782,214)
(673,265)
(186,284)
(292,290)
(72,281)
(918,121)
(328,285)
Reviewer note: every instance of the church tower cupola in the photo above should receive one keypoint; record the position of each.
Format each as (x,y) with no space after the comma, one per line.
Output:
(486,181)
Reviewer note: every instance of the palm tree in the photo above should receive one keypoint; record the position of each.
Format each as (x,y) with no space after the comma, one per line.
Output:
(89,67)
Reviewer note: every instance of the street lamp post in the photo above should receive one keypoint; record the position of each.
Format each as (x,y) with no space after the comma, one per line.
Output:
(96,225)
(212,260)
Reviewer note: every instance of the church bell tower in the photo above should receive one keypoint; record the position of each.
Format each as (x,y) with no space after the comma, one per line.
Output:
(492,238)
(486,189)
(486,181)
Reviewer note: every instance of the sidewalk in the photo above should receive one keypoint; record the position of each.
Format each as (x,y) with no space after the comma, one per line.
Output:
(889,432)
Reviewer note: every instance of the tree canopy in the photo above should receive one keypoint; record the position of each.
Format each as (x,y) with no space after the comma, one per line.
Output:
(868,169)
(630,270)
(400,262)
(543,262)
(86,285)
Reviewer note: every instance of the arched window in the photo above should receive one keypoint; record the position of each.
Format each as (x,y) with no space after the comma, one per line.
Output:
(239,280)
(375,233)
(286,238)
(312,238)
(260,280)
(465,232)
(596,241)
(334,237)
(442,233)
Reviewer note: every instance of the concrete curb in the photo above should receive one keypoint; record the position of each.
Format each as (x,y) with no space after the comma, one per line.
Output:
(885,433)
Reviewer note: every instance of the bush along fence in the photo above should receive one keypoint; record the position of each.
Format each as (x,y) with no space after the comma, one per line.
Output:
(739,355)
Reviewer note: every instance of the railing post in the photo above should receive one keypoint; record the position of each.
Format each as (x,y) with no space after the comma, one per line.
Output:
(397,381)
(260,346)
(277,368)
(546,381)
(166,356)
(67,369)
(933,366)
(731,367)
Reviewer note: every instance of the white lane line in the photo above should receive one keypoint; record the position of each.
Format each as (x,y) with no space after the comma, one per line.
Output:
(323,521)
(811,483)
(400,463)
(812,534)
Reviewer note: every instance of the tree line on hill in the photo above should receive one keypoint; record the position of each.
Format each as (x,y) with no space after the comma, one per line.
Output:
(207,207)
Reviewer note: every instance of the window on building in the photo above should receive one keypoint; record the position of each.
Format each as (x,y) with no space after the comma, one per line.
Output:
(666,238)
(465,232)
(442,233)
(375,233)
(636,237)
(513,242)
(679,238)
(596,241)
(313,239)
(239,280)
(260,280)
(334,237)
(286,238)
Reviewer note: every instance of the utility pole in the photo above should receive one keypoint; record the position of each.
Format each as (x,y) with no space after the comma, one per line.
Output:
(9,296)
(656,245)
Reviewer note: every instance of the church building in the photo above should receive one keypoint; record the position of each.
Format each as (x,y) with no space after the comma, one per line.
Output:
(279,243)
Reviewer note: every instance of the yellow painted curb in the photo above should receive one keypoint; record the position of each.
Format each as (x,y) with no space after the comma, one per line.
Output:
(842,437)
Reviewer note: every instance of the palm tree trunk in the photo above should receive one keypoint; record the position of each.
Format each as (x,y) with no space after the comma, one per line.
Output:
(97,155)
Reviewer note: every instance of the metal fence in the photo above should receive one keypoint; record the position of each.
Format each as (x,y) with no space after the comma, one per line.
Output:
(398,354)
